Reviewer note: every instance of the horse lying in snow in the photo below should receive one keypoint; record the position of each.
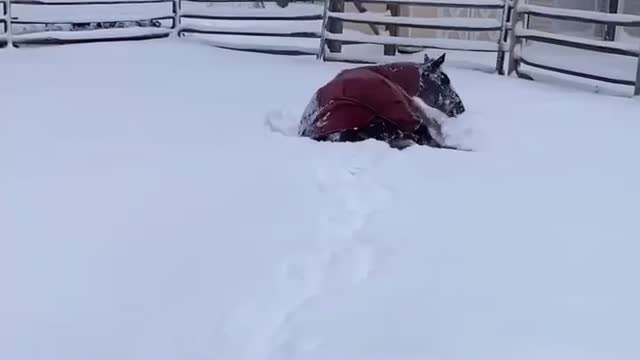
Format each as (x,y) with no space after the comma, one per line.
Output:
(398,103)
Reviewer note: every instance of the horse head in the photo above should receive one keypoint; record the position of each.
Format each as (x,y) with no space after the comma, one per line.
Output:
(436,89)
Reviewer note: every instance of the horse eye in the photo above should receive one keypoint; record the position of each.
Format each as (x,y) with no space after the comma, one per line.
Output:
(445,80)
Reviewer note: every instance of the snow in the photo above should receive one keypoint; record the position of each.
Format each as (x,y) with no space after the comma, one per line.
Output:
(156,204)
(295,46)
(294,27)
(68,19)
(129,32)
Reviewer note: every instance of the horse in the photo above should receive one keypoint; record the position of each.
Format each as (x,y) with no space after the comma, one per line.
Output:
(400,103)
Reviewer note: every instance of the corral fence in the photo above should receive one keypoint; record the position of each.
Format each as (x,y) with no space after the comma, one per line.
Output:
(257,23)
(42,22)
(334,37)
(521,33)
(317,27)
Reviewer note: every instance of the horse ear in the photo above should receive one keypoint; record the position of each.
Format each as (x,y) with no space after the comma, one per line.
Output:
(438,62)
(434,64)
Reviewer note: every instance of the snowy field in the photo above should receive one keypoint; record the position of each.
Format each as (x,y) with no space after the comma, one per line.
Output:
(155,203)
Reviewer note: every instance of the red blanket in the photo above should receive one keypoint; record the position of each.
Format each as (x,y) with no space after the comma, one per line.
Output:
(355,97)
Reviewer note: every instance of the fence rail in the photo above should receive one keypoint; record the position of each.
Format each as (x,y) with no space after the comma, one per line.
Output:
(520,32)
(579,15)
(60,27)
(302,23)
(447,23)
(99,19)
(268,30)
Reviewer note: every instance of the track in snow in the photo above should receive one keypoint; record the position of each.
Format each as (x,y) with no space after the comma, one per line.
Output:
(340,255)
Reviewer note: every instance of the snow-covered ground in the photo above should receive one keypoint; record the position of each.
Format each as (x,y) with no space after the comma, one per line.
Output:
(155,203)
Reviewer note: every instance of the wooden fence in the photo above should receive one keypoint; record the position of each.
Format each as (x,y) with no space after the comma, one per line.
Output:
(521,32)
(60,27)
(334,37)
(275,23)
(323,25)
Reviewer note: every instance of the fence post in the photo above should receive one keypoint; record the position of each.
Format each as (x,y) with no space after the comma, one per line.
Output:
(515,19)
(610,30)
(636,91)
(7,22)
(176,17)
(323,31)
(502,39)
(394,10)
(335,25)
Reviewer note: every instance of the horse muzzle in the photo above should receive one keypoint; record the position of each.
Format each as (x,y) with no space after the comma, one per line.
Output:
(457,110)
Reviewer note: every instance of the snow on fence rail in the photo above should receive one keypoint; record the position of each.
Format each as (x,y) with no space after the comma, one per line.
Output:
(520,32)
(263,27)
(41,22)
(333,36)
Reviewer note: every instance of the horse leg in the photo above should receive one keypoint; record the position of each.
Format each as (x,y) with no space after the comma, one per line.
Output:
(381,130)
